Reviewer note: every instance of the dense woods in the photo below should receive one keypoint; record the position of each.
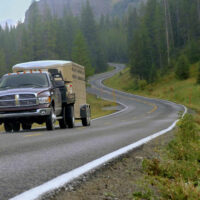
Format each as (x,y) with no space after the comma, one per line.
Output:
(167,36)
(160,36)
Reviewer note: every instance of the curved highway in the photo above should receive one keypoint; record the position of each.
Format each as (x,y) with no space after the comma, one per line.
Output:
(28,159)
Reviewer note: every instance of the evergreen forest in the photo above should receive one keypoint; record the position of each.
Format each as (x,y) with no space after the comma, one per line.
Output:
(160,36)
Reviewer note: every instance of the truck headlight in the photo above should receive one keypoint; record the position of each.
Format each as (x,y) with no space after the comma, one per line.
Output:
(44,100)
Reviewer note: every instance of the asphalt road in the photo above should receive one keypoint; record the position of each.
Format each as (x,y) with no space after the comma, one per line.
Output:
(28,159)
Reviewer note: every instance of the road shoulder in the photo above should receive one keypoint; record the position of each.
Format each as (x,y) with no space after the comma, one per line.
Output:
(118,179)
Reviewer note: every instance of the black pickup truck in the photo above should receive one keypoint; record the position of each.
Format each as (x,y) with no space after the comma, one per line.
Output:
(35,97)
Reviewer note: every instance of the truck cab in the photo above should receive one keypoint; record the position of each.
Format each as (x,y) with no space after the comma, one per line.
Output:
(27,98)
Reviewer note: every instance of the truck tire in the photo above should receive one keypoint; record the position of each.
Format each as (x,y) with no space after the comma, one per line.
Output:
(87,120)
(26,126)
(16,127)
(63,122)
(70,116)
(50,121)
(8,127)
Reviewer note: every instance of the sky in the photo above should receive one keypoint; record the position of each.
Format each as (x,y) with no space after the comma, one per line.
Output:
(13,9)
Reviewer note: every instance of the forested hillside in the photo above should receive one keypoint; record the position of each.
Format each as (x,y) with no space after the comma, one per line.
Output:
(166,36)
(83,39)
(154,38)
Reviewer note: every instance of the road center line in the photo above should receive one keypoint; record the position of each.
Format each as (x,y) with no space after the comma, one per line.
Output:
(33,135)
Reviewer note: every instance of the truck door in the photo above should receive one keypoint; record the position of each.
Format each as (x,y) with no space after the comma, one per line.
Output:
(57,97)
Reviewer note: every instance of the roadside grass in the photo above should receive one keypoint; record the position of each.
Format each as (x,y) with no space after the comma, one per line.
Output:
(175,173)
(110,68)
(97,106)
(121,81)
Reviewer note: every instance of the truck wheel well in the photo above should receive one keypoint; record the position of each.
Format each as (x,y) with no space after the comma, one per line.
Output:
(53,104)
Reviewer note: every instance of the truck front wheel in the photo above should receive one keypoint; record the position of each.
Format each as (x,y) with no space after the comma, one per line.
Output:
(63,122)
(70,116)
(50,120)
(8,127)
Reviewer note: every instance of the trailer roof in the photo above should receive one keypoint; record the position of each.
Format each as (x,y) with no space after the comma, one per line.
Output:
(41,64)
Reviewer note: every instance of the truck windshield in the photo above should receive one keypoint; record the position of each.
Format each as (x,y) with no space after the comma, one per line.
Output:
(24,80)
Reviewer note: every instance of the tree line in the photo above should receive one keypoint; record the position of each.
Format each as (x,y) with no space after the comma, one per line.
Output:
(165,36)
(85,40)
(160,36)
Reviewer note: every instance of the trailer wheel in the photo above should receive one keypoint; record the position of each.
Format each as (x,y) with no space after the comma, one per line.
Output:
(63,122)
(50,120)
(8,127)
(26,126)
(87,120)
(16,127)
(70,116)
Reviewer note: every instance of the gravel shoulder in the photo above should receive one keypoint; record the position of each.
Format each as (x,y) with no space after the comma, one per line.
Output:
(117,180)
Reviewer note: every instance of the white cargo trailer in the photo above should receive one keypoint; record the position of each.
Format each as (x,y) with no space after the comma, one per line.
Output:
(74,76)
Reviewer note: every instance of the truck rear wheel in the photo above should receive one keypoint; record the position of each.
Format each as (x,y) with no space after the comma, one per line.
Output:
(70,116)
(26,126)
(50,121)
(63,122)
(16,127)
(8,127)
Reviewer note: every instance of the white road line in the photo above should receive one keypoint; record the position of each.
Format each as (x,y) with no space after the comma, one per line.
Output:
(68,177)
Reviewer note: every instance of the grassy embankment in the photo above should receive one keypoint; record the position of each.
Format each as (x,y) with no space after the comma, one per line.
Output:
(175,174)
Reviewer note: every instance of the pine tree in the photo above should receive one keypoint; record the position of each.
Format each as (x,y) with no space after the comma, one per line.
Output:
(140,57)
(69,27)
(89,30)
(198,76)
(48,31)
(2,63)
(26,48)
(182,68)
(80,54)
(35,30)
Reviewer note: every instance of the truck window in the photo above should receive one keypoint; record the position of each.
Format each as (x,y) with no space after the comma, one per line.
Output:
(24,80)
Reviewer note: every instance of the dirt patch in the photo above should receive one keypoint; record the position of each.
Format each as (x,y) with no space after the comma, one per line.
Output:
(117,180)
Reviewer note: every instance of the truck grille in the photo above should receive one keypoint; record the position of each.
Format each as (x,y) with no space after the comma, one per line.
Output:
(18,100)
(8,97)
(26,96)
(7,103)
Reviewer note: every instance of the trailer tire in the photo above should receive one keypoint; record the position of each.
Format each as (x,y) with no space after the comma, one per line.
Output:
(70,116)
(87,120)
(50,120)
(8,127)
(63,121)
